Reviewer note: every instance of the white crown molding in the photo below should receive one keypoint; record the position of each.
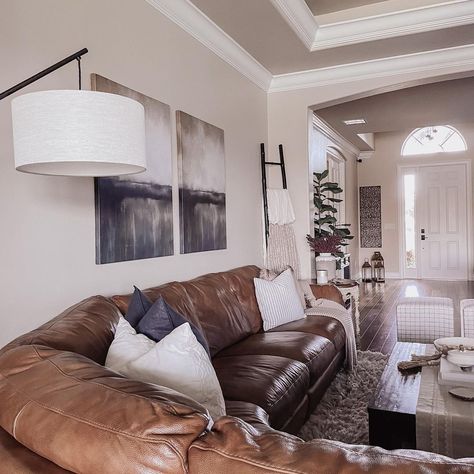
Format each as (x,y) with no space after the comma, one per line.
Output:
(365,155)
(198,25)
(187,16)
(407,22)
(437,61)
(359,30)
(300,18)
(334,136)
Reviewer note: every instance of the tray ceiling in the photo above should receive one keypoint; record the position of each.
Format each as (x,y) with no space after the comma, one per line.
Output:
(264,30)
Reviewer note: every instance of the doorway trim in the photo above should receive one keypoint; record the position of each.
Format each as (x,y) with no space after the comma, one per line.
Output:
(401,218)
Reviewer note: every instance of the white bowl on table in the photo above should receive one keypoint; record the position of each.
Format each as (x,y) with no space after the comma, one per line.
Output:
(463,359)
(454,343)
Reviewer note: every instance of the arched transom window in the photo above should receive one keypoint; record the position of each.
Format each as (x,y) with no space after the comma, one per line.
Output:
(436,139)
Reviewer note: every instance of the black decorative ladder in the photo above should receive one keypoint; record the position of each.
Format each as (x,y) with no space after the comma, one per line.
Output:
(264,164)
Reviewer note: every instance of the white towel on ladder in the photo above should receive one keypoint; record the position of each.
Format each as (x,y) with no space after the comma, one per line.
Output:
(280,209)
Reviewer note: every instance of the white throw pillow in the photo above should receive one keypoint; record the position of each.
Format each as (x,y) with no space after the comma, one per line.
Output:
(178,362)
(127,346)
(270,275)
(278,300)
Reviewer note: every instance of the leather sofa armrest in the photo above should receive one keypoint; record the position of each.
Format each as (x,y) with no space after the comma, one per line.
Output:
(87,418)
(235,447)
(16,458)
(328,292)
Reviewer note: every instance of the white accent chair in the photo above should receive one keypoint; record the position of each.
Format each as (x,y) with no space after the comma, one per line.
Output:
(424,319)
(467,318)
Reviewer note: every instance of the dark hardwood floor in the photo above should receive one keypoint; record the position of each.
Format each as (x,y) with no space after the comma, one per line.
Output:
(378,307)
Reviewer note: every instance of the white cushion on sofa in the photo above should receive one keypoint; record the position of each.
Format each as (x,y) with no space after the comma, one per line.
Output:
(278,300)
(178,362)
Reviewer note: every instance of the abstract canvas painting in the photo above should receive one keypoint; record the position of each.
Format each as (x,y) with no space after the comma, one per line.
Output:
(370,216)
(201,166)
(134,213)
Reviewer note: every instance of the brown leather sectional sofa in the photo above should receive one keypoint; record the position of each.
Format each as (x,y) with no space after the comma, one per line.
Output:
(62,411)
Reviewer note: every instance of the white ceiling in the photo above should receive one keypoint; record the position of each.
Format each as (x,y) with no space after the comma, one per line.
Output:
(320,7)
(446,102)
(264,31)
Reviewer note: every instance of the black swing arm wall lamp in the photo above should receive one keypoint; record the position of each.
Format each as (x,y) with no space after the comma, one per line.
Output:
(76,132)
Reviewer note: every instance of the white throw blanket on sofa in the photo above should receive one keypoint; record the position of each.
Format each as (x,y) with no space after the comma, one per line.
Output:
(323,307)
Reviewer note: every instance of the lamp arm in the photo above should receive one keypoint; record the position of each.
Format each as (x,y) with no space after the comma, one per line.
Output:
(43,73)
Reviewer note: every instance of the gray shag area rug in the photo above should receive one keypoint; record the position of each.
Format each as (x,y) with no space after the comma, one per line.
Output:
(342,413)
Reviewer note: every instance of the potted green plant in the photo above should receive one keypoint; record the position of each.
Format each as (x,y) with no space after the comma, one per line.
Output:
(325,220)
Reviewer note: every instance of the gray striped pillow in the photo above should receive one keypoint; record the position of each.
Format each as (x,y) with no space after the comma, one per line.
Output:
(278,300)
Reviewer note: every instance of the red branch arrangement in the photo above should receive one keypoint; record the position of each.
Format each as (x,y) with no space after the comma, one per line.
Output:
(326,244)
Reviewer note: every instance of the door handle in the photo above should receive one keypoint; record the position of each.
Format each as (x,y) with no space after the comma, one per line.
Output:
(423,237)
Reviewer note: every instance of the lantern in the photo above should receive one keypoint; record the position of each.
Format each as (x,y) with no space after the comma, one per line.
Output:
(366,271)
(378,268)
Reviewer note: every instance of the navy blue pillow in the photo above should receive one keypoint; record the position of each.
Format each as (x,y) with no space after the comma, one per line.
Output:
(139,305)
(161,319)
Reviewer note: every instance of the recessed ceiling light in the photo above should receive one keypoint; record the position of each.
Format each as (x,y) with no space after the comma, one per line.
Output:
(354,121)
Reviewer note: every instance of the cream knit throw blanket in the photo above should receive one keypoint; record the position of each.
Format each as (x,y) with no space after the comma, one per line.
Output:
(282,251)
(323,307)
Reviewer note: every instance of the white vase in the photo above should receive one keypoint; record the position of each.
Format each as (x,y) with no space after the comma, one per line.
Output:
(326,261)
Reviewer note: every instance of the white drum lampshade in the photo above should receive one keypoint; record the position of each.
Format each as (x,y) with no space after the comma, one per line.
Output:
(78,133)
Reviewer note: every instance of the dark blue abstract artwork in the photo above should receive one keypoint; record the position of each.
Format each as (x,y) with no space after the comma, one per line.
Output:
(202,182)
(134,213)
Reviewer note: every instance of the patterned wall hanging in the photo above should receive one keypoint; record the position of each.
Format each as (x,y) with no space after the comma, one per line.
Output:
(370,216)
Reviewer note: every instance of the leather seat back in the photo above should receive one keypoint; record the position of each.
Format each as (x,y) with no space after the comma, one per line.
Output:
(87,328)
(222,304)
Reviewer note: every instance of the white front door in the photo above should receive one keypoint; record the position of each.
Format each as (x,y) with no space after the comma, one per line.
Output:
(441,221)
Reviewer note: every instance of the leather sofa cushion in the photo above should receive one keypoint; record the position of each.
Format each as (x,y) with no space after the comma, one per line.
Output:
(250,413)
(315,351)
(173,293)
(233,447)
(222,305)
(17,459)
(86,418)
(324,326)
(87,328)
(161,319)
(328,292)
(276,384)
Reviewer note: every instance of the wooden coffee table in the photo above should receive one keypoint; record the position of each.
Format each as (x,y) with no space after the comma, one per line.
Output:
(392,409)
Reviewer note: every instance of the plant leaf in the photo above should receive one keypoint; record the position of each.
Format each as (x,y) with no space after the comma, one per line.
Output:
(331,189)
(324,174)
(327,208)
(327,220)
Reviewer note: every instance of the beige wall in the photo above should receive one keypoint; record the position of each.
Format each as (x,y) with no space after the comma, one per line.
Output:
(47,244)
(381,170)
